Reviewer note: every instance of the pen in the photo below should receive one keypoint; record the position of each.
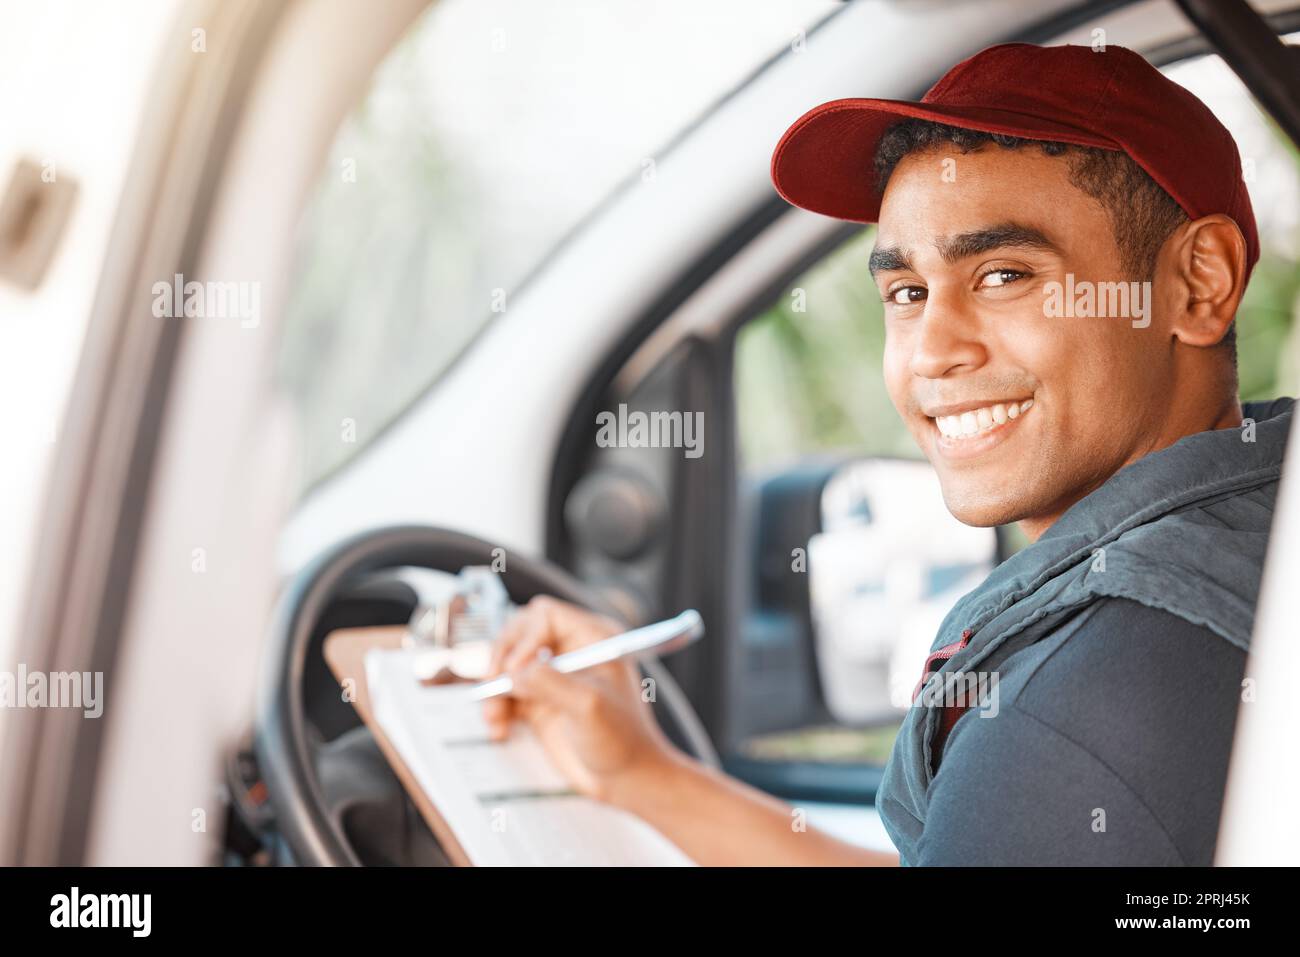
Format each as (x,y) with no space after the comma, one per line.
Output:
(661,637)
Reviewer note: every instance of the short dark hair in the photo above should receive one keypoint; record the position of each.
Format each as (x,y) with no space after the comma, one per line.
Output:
(1142,214)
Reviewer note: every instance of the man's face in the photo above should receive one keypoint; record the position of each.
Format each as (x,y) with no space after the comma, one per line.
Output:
(1020,413)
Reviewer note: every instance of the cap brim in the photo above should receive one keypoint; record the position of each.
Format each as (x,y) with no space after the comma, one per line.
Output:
(825,162)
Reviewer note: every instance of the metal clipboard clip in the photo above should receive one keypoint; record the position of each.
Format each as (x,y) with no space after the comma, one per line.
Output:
(452,636)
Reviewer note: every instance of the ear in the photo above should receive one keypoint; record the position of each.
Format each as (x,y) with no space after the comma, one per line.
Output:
(1209,268)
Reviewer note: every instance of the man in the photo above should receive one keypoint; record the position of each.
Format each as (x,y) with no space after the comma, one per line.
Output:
(1064,238)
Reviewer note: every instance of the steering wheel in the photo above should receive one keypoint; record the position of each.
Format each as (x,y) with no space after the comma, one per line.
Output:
(312,785)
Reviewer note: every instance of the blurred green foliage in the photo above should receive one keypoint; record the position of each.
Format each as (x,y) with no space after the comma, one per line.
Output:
(808,370)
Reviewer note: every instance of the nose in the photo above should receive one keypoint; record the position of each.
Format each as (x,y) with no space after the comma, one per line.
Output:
(948,342)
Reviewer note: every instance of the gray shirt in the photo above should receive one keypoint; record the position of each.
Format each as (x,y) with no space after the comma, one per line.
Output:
(1116,707)
(1109,746)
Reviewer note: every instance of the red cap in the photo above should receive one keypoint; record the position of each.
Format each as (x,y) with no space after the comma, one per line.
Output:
(1072,94)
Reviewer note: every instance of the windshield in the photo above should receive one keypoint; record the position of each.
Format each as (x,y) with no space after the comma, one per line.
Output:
(487,135)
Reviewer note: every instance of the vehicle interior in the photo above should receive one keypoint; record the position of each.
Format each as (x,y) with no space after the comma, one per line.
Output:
(472,228)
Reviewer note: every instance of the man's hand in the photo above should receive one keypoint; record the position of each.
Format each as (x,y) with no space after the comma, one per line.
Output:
(595,724)
(600,732)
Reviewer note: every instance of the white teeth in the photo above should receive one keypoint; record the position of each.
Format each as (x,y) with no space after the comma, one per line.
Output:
(980,420)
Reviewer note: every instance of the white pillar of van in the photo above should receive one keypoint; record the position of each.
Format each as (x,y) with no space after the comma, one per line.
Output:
(1259,824)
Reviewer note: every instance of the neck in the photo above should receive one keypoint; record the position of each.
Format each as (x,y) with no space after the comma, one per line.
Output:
(1226,415)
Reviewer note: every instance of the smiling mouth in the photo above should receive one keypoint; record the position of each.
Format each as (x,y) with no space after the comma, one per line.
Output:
(973,423)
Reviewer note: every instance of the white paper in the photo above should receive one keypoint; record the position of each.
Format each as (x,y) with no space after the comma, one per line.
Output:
(504,801)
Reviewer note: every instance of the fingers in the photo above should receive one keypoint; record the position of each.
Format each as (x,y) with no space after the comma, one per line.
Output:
(529,633)
(541,685)
(538,633)
(543,627)
(505,640)
(498,712)
(524,624)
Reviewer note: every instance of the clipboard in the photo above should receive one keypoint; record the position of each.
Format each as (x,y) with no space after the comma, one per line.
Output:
(507,807)
(345,653)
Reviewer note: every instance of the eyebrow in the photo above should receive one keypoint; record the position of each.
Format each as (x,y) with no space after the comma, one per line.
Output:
(956,248)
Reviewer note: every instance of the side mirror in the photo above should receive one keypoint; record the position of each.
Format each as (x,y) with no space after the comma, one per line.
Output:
(888,564)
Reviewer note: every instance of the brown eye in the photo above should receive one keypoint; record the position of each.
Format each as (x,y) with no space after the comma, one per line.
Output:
(1000,277)
(905,295)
